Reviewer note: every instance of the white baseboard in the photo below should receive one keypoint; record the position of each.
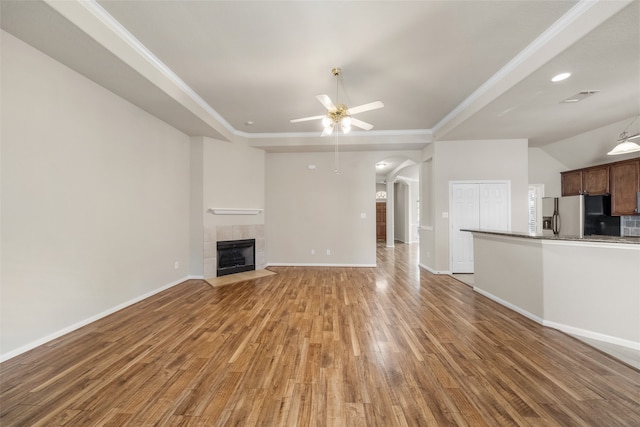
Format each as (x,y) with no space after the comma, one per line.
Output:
(571,330)
(13,353)
(295,264)
(431,270)
(515,308)
(195,278)
(592,335)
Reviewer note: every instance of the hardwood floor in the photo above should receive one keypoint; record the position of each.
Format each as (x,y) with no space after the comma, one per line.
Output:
(386,346)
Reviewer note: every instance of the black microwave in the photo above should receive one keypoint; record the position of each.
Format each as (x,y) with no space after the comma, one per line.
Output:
(597,205)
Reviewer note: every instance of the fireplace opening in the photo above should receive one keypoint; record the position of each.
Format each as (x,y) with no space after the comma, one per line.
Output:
(235,256)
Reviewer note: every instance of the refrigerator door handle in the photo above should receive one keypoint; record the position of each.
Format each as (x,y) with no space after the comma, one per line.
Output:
(555,221)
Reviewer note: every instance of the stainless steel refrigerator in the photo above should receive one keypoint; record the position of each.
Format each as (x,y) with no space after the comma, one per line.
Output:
(563,216)
(579,216)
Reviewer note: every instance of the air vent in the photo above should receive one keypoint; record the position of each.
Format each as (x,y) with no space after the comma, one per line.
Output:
(579,96)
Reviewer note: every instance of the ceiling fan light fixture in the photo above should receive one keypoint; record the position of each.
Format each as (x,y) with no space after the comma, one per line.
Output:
(328,130)
(345,124)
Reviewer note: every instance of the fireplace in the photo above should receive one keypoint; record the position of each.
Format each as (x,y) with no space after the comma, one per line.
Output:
(235,256)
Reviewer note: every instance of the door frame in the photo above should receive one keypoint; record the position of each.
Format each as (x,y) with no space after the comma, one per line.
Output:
(381,202)
(474,181)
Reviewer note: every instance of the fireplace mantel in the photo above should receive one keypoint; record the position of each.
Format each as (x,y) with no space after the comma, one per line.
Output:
(235,211)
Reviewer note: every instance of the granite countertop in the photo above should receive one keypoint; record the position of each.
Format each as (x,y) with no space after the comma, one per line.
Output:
(593,238)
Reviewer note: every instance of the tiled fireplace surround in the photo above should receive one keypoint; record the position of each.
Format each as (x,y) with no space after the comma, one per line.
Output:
(231,232)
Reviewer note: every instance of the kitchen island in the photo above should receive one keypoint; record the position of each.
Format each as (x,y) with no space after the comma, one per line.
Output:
(585,286)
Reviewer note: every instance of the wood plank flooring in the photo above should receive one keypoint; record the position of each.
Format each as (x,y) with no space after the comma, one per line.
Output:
(385,346)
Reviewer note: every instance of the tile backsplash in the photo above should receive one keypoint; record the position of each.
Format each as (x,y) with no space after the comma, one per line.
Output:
(630,225)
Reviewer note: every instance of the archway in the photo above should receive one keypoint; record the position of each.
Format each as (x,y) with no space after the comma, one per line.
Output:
(397,200)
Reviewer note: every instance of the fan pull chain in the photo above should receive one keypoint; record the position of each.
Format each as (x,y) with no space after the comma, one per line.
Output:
(336,159)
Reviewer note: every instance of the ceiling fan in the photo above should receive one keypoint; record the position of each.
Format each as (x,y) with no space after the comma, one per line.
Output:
(340,115)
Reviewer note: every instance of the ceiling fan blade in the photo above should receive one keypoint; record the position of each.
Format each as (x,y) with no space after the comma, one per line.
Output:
(306,119)
(361,124)
(365,107)
(326,101)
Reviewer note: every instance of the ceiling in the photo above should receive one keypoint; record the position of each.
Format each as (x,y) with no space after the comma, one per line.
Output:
(445,70)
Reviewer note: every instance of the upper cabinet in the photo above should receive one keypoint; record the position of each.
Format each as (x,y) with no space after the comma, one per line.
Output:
(625,185)
(593,181)
(620,179)
(572,183)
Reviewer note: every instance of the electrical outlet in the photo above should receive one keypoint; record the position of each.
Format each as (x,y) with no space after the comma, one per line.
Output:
(313,251)
(176,265)
(328,251)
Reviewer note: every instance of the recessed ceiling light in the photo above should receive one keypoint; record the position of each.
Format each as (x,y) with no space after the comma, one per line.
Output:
(381,165)
(560,77)
(248,123)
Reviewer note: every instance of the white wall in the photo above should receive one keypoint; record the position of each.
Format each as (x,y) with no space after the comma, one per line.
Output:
(95,200)
(544,169)
(511,270)
(427,209)
(559,283)
(414,194)
(196,213)
(409,178)
(401,203)
(233,177)
(483,160)
(592,290)
(315,209)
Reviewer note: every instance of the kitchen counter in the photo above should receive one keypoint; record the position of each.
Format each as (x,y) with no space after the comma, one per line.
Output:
(594,238)
(585,286)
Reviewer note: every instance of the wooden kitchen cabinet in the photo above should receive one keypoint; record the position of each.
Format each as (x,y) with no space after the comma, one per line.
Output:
(572,183)
(624,178)
(595,180)
(620,179)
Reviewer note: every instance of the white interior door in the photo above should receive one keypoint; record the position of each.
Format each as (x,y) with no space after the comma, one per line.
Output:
(465,213)
(494,206)
(475,206)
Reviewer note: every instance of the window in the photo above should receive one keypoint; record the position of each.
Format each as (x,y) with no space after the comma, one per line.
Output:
(535,208)
(532,210)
